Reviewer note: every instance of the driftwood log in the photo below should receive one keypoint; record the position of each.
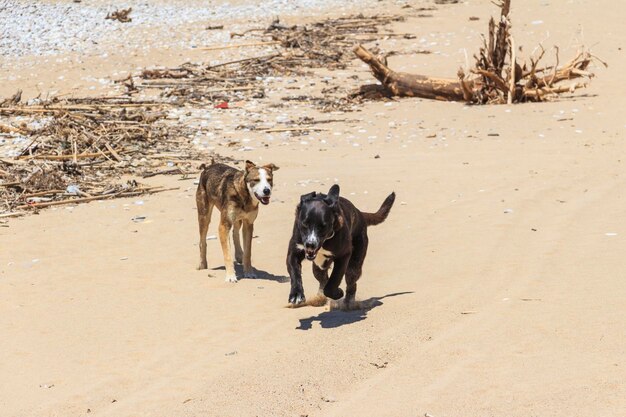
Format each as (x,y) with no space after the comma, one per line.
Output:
(497,76)
(402,84)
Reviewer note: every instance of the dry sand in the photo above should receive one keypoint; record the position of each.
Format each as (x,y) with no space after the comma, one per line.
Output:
(496,285)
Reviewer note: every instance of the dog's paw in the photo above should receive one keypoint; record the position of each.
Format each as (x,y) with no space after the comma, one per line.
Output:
(203,265)
(296,298)
(231,278)
(249,274)
(334,293)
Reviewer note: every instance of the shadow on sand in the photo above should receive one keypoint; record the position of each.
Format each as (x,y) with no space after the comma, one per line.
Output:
(260,274)
(337,317)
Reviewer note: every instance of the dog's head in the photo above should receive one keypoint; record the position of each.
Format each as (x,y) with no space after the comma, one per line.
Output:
(318,217)
(259,180)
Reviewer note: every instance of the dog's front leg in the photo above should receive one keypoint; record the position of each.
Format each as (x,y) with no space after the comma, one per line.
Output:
(225,226)
(294,266)
(248,229)
(332,289)
(321,275)
(236,242)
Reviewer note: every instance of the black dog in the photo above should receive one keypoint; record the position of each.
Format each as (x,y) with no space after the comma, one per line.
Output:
(329,229)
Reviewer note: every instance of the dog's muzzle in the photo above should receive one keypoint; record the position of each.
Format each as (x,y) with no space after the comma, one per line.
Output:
(310,250)
(265,200)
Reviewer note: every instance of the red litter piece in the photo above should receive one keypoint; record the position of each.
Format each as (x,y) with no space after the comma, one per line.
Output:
(222,105)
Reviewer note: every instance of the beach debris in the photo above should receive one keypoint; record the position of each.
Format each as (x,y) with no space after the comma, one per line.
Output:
(379,365)
(299,49)
(497,76)
(79,147)
(121,15)
(71,150)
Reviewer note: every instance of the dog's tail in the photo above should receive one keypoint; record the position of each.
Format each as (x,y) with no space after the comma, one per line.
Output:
(204,166)
(372,219)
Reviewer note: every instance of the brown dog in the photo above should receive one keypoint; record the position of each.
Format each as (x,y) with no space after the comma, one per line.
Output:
(236,194)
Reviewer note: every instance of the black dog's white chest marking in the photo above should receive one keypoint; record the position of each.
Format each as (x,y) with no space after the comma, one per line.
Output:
(322,259)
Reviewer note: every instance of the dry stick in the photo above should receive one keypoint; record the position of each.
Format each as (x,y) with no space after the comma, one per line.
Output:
(9,184)
(70,201)
(509,99)
(542,91)
(216,90)
(241,45)
(97,197)
(103,154)
(163,172)
(12,162)
(289,129)
(40,193)
(243,60)
(75,151)
(555,66)
(113,152)
(63,157)
(499,82)
(15,214)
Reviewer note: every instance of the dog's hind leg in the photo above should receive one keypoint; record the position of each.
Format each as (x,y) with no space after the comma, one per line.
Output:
(237,242)
(248,230)
(225,226)
(355,266)
(205,208)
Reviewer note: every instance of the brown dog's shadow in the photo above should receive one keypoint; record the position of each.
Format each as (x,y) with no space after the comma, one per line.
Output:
(260,274)
(340,314)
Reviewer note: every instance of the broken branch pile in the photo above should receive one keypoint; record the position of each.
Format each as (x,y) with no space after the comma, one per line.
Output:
(324,44)
(496,78)
(80,148)
(76,149)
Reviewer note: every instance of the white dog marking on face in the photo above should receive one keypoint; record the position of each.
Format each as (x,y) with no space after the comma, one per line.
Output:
(300,246)
(312,239)
(262,184)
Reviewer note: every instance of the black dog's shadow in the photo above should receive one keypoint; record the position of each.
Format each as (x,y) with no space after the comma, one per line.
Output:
(260,274)
(337,317)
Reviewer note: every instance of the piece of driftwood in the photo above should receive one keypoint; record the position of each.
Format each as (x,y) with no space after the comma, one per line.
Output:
(241,45)
(93,198)
(496,78)
(410,85)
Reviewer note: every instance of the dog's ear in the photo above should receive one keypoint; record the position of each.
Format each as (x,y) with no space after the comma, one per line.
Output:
(333,195)
(306,197)
(249,165)
(271,167)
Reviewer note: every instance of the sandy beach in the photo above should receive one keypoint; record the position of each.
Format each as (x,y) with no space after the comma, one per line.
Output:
(495,287)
